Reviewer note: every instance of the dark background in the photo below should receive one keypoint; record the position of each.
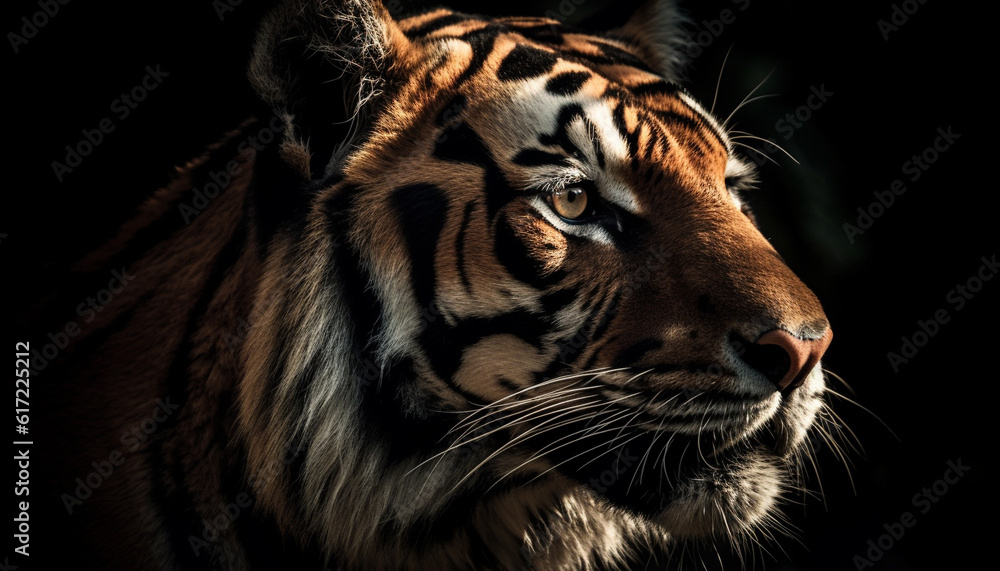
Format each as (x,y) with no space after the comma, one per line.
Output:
(889,98)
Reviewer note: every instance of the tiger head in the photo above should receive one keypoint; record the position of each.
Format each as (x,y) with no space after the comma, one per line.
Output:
(528,316)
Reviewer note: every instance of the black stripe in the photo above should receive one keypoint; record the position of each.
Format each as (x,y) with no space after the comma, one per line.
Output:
(451,111)
(555,301)
(632,354)
(439,23)
(655,88)
(609,315)
(481,42)
(460,246)
(597,351)
(620,56)
(542,33)
(507,384)
(348,277)
(180,516)
(445,345)
(421,210)
(525,62)
(591,60)
(460,143)
(657,138)
(537,158)
(595,143)
(399,433)
(695,122)
(567,83)
(584,335)
(516,257)
(567,113)
(631,138)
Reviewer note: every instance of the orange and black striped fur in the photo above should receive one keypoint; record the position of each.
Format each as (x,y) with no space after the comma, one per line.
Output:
(490,300)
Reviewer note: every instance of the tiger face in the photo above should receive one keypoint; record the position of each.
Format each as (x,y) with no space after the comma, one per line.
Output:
(530,319)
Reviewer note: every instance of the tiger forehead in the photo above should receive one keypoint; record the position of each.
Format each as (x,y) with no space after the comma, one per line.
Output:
(650,110)
(536,41)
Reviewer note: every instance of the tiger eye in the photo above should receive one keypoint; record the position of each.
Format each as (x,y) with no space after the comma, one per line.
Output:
(570,203)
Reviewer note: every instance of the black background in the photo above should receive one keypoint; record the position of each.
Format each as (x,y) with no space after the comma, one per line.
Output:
(889,98)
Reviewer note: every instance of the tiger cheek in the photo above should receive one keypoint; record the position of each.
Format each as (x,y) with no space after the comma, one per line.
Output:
(548,245)
(530,249)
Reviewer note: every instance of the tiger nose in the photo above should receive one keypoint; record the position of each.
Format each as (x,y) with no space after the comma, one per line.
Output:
(785,359)
(802,354)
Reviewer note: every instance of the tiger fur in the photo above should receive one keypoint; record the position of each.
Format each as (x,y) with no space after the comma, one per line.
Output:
(490,300)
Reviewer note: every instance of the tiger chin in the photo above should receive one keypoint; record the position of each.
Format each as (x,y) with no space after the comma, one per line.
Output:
(491,299)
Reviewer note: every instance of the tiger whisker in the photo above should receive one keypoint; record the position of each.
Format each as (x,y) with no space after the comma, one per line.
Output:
(811,458)
(697,440)
(608,444)
(551,400)
(663,461)
(524,419)
(747,99)
(533,401)
(537,429)
(463,441)
(767,141)
(840,379)
(758,151)
(549,448)
(718,82)
(551,395)
(533,431)
(560,409)
(865,409)
(657,433)
(592,374)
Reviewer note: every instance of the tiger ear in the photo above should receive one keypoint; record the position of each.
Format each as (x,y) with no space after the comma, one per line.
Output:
(655,31)
(321,65)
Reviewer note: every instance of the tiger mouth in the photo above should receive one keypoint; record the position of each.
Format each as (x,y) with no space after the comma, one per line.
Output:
(651,473)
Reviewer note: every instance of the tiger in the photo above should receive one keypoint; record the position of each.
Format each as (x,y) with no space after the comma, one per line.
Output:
(469,293)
